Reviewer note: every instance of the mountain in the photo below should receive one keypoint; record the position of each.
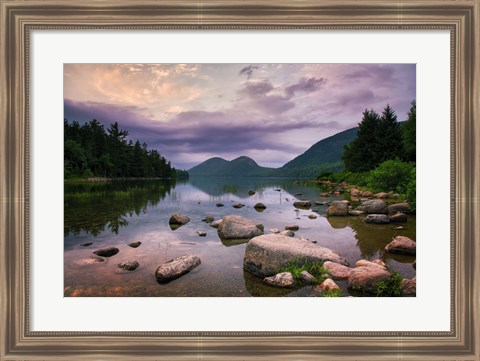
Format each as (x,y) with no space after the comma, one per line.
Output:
(239,167)
(323,155)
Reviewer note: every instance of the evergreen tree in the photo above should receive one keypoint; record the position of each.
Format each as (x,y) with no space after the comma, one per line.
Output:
(379,138)
(409,134)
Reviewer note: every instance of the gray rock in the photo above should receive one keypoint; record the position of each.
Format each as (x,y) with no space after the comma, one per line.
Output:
(377,219)
(302,204)
(398,207)
(288,233)
(312,216)
(409,287)
(178,219)
(375,206)
(307,278)
(284,279)
(292,227)
(106,252)
(398,217)
(238,205)
(338,208)
(402,245)
(176,268)
(128,265)
(201,233)
(264,255)
(135,244)
(251,193)
(237,227)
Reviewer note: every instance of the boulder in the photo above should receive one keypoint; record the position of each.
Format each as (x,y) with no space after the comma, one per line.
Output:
(366,275)
(379,262)
(260,206)
(216,223)
(408,288)
(327,285)
(178,219)
(338,208)
(292,227)
(375,206)
(284,279)
(402,245)
(302,204)
(135,244)
(264,255)
(307,278)
(237,227)
(381,195)
(377,219)
(398,207)
(398,217)
(365,263)
(367,194)
(251,193)
(128,265)
(176,267)
(337,271)
(106,252)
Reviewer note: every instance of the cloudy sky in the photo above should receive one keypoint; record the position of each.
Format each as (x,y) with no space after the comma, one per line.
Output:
(269,112)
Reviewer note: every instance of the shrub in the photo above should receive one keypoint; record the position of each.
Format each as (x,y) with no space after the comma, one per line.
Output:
(392,175)
(333,293)
(390,287)
(411,192)
(296,266)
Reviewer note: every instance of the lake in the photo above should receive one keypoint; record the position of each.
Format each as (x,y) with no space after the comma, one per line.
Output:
(117,213)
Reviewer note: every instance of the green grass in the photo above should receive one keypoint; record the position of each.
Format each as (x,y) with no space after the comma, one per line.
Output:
(297,265)
(333,293)
(390,287)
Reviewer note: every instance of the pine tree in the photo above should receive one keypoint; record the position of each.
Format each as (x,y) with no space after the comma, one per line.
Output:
(409,134)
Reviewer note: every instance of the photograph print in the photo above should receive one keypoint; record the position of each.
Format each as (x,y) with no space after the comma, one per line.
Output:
(239,180)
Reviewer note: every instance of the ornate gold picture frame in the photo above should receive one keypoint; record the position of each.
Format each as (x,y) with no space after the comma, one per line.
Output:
(19,18)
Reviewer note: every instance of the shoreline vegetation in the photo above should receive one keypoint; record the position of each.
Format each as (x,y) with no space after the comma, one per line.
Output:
(377,182)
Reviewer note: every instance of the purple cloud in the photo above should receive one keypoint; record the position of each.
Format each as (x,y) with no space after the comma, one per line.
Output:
(305,85)
(248,70)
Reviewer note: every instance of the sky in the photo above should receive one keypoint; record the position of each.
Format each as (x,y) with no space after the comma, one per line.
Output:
(269,112)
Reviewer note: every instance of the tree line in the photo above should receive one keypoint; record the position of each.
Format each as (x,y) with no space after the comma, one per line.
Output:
(92,151)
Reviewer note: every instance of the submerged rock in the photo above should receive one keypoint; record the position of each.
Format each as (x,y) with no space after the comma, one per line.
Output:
(302,204)
(208,219)
(237,227)
(274,230)
(176,268)
(106,252)
(264,255)
(292,227)
(216,223)
(338,208)
(377,219)
(86,244)
(312,216)
(260,206)
(128,265)
(238,205)
(135,244)
(403,245)
(375,206)
(251,193)
(219,204)
(89,261)
(288,233)
(284,279)
(201,233)
(178,219)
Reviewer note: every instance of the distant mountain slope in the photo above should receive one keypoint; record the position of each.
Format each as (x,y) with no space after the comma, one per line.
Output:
(325,154)
(239,167)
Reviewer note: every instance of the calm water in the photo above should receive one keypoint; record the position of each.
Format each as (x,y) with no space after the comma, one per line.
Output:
(120,212)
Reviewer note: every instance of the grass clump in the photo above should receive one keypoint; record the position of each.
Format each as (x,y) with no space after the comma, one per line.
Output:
(390,287)
(333,293)
(296,266)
